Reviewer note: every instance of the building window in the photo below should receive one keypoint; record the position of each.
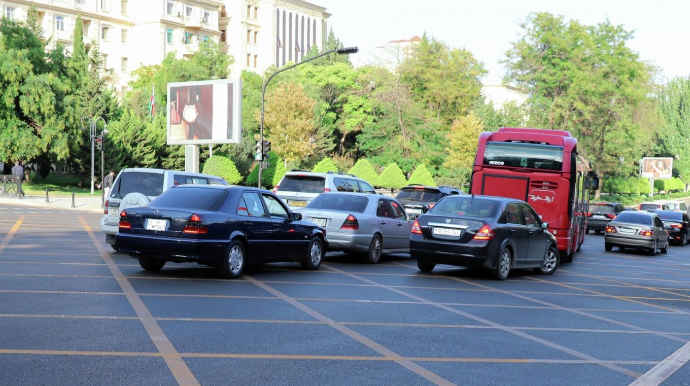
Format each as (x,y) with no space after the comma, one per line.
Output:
(123,64)
(59,22)
(105,5)
(206,38)
(255,59)
(207,16)
(169,35)
(79,2)
(188,11)
(104,33)
(105,61)
(169,8)
(249,36)
(256,13)
(188,38)
(249,11)
(249,58)
(123,6)
(124,36)
(256,36)
(9,13)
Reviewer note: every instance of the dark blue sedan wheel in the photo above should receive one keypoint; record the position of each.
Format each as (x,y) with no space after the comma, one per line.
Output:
(234,261)
(151,264)
(503,265)
(316,251)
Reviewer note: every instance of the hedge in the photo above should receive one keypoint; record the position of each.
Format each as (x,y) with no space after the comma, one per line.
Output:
(422,176)
(222,167)
(325,165)
(364,170)
(392,177)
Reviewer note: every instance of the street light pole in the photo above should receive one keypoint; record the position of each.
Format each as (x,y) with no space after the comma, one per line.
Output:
(93,122)
(339,51)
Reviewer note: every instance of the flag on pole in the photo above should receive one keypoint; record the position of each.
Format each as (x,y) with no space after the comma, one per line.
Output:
(152,102)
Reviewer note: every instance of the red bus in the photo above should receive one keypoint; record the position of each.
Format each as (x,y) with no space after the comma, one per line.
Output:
(543,168)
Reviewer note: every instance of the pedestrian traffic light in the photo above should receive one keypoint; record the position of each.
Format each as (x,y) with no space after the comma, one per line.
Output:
(266,148)
(258,153)
(99,143)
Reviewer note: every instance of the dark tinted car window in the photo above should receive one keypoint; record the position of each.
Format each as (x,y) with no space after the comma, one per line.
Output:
(343,202)
(673,216)
(634,218)
(365,188)
(384,209)
(190,199)
(398,211)
(149,184)
(466,205)
(601,208)
(304,184)
(650,206)
(419,194)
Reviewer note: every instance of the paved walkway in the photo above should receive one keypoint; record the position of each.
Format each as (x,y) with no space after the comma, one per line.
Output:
(81,203)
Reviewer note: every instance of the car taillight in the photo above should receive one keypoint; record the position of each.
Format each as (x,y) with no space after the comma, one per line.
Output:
(124,224)
(610,229)
(679,226)
(194,226)
(611,216)
(350,223)
(589,215)
(275,188)
(431,206)
(327,189)
(646,233)
(416,229)
(105,207)
(484,233)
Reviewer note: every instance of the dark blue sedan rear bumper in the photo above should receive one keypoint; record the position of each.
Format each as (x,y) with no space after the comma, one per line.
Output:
(174,249)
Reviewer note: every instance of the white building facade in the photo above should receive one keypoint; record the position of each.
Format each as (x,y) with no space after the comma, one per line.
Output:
(134,33)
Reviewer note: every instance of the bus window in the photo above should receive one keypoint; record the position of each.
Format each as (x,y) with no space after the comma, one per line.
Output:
(524,155)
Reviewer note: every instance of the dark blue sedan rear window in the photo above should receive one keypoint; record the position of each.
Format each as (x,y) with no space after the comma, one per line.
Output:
(344,202)
(190,199)
(467,205)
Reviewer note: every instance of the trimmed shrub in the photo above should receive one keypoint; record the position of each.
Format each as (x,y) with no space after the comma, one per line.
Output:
(266,175)
(632,186)
(279,173)
(364,170)
(392,177)
(222,167)
(679,185)
(325,165)
(664,185)
(643,185)
(422,176)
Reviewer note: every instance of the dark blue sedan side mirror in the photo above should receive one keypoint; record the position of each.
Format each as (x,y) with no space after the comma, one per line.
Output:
(296,216)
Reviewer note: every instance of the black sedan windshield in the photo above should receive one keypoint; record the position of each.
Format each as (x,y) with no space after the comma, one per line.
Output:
(190,198)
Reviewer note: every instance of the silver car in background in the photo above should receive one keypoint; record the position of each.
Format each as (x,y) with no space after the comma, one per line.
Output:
(637,229)
(368,224)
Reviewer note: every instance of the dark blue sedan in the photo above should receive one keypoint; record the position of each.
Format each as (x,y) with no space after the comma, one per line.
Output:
(226,227)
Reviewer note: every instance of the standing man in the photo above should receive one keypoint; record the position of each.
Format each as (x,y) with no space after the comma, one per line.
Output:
(18,173)
(108,183)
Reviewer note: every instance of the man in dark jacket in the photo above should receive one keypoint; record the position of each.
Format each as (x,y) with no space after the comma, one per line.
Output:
(18,173)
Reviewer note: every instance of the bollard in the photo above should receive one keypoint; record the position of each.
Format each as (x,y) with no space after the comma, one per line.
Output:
(4,186)
(47,201)
(73,201)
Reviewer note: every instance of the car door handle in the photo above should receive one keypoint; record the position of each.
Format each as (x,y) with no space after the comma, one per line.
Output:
(512,231)
(400,225)
(383,223)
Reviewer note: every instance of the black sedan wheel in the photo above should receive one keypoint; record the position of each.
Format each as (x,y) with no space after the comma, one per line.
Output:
(503,266)
(652,251)
(608,247)
(374,253)
(426,265)
(313,261)
(683,240)
(115,247)
(234,261)
(151,264)
(551,262)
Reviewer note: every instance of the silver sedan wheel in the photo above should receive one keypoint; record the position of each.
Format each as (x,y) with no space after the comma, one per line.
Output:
(236,260)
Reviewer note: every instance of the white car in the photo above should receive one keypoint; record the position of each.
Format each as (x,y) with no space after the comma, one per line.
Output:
(135,187)
(677,206)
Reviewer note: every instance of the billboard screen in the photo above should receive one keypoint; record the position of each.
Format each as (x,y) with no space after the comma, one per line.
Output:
(205,112)
(658,168)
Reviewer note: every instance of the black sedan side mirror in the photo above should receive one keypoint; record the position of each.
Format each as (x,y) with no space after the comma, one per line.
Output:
(544,225)
(296,216)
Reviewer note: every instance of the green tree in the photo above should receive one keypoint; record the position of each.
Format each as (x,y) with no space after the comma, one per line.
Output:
(222,167)
(509,115)
(267,176)
(422,176)
(279,173)
(392,177)
(674,110)
(462,146)
(644,186)
(633,185)
(325,165)
(365,170)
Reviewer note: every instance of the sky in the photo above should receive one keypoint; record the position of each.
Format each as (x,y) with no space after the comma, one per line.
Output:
(487,27)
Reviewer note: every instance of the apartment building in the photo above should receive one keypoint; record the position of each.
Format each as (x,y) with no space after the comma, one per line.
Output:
(133,33)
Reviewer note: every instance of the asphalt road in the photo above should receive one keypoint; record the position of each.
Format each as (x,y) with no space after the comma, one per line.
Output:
(74,312)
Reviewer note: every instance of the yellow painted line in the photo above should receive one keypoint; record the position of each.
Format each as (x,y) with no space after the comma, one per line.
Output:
(629,285)
(11,234)
(507,329)
(386,352)
(183,375)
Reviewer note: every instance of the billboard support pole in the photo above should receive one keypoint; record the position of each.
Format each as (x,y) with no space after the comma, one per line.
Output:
(191,158)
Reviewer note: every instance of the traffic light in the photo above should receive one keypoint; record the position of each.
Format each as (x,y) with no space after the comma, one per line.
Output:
(257,151)
(99,143)
(266,148)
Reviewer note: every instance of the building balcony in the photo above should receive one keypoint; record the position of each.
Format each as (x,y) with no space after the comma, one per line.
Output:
(192,22)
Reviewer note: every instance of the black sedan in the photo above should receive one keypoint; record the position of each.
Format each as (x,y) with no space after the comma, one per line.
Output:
(676,223)
(483,231)
(226,227)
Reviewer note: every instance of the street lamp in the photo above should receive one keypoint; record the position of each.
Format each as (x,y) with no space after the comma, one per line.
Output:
(93,125)
(339,51)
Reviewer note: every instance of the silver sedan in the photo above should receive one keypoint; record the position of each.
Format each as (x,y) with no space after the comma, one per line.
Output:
(369,224)
(640,230)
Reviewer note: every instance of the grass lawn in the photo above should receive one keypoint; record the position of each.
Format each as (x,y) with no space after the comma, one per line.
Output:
(57,185)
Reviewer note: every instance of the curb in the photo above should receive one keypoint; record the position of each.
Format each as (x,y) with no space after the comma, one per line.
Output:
(91,204)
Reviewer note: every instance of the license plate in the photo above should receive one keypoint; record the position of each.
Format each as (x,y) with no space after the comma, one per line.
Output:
(297,203)
(153,224)
(447,232)
(598,216)
(112,212)
(414,211)
(319,221)
(627,230)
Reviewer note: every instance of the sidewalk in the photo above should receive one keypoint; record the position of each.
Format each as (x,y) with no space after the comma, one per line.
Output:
(81,203)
